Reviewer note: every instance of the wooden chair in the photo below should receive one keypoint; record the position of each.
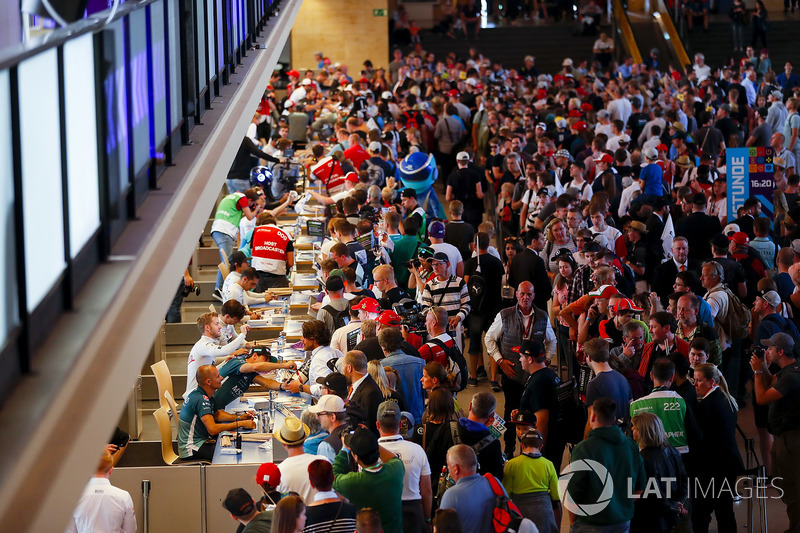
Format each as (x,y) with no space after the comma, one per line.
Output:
(224,266)
(165,430)
(164,383)
(173,406)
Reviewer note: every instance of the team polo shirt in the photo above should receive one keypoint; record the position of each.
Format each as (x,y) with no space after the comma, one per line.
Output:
(192,433)
(236,382)
(670,407)
(270,246)
(229,214)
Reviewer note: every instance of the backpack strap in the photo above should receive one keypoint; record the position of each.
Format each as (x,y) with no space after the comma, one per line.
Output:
(496,488)
(483,443)
(454,432)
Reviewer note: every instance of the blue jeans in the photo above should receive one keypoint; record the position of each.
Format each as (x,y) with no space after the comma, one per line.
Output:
(225,244)
(237,185)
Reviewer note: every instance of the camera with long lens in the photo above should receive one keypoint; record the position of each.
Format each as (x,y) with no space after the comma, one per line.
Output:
(411,316)
(191,289)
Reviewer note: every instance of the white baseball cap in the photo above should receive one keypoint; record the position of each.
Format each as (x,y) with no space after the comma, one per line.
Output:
(462,156)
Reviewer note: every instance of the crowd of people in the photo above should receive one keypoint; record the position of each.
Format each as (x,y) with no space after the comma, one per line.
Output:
(586,247)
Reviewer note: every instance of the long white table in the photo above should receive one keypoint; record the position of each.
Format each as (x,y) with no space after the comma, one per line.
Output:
(254,452)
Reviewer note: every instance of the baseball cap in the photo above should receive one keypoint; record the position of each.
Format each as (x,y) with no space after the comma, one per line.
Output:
(328,404)
(580,125)
(549,190)
(604,291)
(440,257)
(375,146)
(436,229)
(604,158)
(782,341)
(524,418)
(592,246)
(650,152)
(389,318)
(662,147)
(363,442)
(238,502)
(725,107)
(368,304)
(624,138)
(351,176)
(335,382)
(408,193)
(796,246)
(268,473)
(730,229)
(386,95)
(305,82)
(777,94)
(626,304)
(740,238)
(389,411)
(567,62)
(293,74)
(563,153)
(771,297)
(530,348)
(462,156)
(334,284)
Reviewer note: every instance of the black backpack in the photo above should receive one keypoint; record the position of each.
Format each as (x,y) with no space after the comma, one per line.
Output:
(572,412)
(476,284)
(456,363)
(340,318)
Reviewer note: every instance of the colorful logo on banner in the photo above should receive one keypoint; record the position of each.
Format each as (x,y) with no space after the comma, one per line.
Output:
(750,172)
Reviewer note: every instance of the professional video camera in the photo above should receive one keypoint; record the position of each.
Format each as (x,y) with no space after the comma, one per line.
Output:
(411,316)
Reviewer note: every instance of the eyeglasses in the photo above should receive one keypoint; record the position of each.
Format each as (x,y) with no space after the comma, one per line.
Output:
(379,280)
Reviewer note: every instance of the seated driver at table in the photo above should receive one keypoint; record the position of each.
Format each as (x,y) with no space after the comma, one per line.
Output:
(241,372)
(195,440)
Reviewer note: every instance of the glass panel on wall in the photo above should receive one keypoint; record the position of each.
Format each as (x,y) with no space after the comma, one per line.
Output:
(159,73)
(140,109)
(81,126)
(9,310)
(174,36)
(200,57)
(40,149)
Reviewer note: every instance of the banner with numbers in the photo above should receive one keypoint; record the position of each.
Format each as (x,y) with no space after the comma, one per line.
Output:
(750,173)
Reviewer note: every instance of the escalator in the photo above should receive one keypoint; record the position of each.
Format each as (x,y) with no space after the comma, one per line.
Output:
(640,31)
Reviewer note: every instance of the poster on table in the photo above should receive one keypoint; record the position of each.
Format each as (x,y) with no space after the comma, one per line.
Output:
(750,172)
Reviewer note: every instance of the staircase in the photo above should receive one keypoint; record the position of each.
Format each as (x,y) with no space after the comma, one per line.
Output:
(717,44)
(509,45)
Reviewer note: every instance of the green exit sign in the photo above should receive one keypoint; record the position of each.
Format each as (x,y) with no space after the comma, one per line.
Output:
(380,12)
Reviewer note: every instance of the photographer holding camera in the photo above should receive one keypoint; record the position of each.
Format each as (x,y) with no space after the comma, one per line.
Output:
(449,292)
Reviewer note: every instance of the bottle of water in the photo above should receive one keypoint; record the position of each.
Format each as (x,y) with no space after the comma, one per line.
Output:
(281,342)
(285,310)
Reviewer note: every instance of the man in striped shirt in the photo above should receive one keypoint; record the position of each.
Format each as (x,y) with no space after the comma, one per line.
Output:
(449,292)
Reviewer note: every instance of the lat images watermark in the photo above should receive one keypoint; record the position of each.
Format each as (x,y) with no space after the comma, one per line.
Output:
(662,488)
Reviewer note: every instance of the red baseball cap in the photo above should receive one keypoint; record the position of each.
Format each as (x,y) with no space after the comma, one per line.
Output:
(269,473)
(605,158)
(293,74)
(575,113)
(370,305)
(604,291)
(740,238)
(586,106)
(580,125)
(662,147)
(452,92)
(351,176)
(389,318)
(626,304)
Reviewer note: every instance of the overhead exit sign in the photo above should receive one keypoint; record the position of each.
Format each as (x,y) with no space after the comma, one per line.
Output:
(379,12)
